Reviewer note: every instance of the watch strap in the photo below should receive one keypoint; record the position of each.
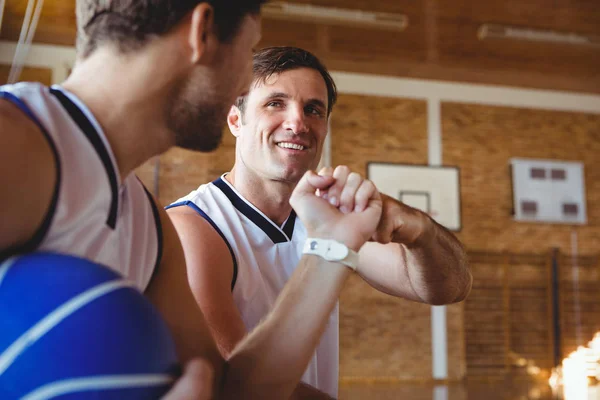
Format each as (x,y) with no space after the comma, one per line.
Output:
(331,250)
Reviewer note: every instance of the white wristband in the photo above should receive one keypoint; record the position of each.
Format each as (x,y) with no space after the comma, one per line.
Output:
(331,250)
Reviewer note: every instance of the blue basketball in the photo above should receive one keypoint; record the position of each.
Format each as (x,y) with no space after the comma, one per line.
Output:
(72,329)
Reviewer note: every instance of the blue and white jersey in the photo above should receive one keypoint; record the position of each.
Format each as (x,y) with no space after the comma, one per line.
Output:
(95,213)
(264,257)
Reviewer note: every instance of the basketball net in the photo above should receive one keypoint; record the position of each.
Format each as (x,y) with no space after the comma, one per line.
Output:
(2,4)
(28,28)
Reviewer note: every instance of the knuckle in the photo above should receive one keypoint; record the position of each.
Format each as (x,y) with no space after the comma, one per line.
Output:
(355,176)
(362,196)
(342,169)
(347,196)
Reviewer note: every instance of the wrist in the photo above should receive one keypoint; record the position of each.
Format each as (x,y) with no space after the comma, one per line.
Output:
(352,244)
(425,232)
(331,250)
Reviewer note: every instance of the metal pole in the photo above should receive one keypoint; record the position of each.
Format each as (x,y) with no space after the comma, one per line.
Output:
(556,308)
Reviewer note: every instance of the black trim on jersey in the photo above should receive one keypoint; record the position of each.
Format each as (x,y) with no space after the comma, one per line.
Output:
(192,205)
(159,232)
(94,137)
(41,232)
(288,227)
(267,226)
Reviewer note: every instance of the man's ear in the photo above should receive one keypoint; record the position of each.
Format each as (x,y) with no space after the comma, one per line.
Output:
(234,120)
(203,38)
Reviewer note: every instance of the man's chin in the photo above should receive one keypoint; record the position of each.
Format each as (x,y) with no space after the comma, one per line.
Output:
(208,148)
(200,144)
(295,175)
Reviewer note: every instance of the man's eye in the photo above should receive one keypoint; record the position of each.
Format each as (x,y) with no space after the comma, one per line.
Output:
(314,111)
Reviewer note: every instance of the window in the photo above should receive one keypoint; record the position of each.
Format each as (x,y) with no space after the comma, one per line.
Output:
(558,174)
(537,173)
(570,209)
(529,207)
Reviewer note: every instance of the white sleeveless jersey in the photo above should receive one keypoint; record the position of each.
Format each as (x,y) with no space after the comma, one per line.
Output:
(94,214)
(264,256)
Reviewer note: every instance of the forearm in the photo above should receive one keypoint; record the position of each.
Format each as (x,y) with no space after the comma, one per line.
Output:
(437,266)
(305,391)
(270,361)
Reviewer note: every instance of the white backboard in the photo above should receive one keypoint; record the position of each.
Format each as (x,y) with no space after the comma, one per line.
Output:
(548,191)
(434,190)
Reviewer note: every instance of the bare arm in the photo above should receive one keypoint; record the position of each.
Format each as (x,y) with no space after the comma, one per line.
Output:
(411,256)
(170,292)
(269,362)
(210,271)
(28,177)
(277,352)
(195,384)
(432,269)
(305,391)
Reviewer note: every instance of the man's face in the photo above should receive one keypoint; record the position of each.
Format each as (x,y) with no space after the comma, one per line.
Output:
(284,125)
(199,107)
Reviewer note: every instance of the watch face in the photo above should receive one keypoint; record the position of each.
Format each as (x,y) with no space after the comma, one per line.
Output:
(331,250)
(337,251)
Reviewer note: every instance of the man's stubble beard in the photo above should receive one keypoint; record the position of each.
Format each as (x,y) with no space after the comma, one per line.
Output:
(197,118)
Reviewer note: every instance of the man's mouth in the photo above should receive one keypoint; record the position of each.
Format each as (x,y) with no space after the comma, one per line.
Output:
(288,145)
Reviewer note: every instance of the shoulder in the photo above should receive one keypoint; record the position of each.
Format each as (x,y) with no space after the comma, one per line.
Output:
(15,117)
(202,213)
(31,171)
(208,254)
(196,229)
(19,127)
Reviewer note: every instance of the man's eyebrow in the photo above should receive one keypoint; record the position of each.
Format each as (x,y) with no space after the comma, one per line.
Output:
(317,102)
(280,95)
(277,95)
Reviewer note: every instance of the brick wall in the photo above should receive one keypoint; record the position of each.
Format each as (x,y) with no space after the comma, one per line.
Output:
(481,140)
(508,311)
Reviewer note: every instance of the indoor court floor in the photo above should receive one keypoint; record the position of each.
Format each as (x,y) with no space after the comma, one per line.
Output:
(501,390)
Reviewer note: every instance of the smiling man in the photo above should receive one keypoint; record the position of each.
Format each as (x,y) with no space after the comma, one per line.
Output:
(242,240)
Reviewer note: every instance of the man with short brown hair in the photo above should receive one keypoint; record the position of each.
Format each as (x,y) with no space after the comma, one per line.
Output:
(240,233)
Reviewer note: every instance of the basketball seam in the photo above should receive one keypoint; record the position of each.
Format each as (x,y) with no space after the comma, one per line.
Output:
(5,267)
(54,318)
(68,386)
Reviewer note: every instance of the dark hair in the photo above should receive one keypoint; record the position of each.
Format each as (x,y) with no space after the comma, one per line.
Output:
(275,60)
(130,24)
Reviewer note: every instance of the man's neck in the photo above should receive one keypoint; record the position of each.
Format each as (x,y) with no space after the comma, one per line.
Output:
(126,105)
(271,197)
